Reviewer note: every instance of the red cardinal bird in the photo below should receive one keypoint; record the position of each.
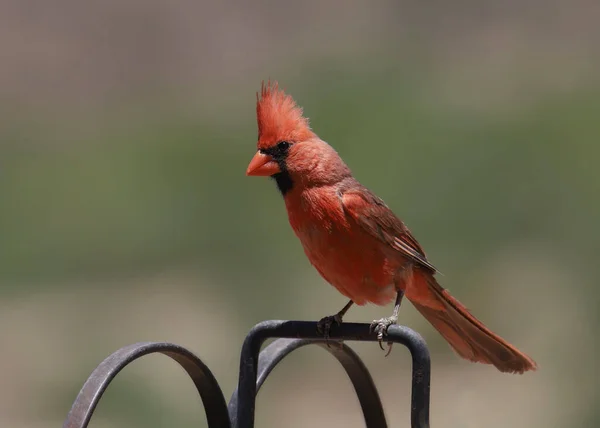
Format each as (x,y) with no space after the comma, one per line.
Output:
(355,241)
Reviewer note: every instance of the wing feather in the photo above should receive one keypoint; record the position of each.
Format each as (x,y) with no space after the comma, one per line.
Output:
(374,216)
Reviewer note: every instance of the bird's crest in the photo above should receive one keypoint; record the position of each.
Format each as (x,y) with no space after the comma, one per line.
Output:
(278,117)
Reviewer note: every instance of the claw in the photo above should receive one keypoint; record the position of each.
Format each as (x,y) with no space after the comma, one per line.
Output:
(389,348)
(320,328)
(325,323)
(380,327)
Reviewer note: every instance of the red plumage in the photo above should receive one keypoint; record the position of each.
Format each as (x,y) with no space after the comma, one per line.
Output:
(354,240)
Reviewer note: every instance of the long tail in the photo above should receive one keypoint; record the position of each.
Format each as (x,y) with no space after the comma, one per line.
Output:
(465,333)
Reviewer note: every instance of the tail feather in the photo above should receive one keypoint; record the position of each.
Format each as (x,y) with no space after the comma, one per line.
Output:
(466,334)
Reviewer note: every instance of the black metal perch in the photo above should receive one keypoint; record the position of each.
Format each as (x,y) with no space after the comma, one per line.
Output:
(255,367)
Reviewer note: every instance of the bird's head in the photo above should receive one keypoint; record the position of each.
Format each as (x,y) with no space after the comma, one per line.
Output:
(287,149)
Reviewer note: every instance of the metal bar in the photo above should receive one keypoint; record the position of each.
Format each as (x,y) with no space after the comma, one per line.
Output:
(355,369)
(248,388)
(212,397)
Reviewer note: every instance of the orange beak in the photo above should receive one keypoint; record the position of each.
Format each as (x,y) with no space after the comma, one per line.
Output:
(262,165)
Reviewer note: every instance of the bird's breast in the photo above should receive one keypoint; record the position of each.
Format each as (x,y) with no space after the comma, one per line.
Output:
(345,255)
(316,214)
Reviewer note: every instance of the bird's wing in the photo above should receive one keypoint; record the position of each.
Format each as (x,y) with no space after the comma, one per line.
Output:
(375,217)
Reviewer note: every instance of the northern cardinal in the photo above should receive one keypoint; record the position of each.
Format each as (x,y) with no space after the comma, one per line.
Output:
(355,241)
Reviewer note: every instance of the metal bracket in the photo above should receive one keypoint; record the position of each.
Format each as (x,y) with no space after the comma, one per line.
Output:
(255,367)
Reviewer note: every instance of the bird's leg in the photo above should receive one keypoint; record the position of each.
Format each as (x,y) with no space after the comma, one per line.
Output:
(380,326)
(324,325)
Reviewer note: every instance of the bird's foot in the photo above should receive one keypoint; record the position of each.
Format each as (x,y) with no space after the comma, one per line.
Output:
(325,323)
(380,327)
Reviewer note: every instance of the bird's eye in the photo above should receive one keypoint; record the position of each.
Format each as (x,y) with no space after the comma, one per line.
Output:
(283,145)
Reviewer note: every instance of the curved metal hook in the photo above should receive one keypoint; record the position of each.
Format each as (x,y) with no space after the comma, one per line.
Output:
(247,386)
(355,369)
(212,397)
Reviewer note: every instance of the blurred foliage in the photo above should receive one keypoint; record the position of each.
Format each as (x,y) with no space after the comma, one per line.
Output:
(173,189)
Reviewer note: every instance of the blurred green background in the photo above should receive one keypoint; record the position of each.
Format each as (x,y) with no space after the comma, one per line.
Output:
(126,216)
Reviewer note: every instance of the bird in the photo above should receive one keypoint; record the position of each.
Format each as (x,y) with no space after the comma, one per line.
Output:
(355,241)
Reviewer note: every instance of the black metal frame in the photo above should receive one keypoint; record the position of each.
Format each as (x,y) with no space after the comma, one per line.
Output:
(255,367)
